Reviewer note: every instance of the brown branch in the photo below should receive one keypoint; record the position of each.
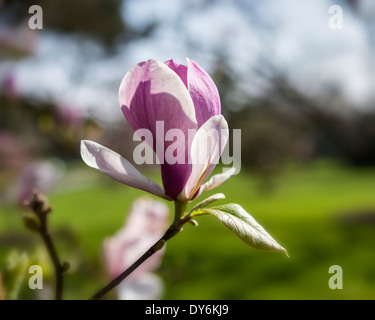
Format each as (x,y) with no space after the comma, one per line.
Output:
(1,288)
(171,232)
(40,206)
(180,218)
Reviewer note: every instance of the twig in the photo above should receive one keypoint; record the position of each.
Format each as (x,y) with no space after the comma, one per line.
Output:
(1,288)
(40,206)
(174,229)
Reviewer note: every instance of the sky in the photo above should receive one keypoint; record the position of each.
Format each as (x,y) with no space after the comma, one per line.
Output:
(292,35)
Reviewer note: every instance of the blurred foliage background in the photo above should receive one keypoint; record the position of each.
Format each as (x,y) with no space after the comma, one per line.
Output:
(301,93)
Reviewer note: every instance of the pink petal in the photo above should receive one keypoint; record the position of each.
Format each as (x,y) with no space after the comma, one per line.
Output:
(151,92)
(118,168)
(203,92)
(205,157)
(180,69)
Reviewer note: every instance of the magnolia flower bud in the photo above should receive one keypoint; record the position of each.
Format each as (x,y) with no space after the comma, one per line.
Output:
(184,101)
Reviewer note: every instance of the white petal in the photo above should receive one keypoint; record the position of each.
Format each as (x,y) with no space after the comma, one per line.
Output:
(205,156)
(217,180)
(118,168)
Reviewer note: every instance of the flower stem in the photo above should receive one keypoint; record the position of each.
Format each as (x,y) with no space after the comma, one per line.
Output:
(179,210)
(173,229)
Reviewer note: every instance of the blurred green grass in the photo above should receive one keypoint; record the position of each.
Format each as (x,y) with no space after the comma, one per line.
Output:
(304,212)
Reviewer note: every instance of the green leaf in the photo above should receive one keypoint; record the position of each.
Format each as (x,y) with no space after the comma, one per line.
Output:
(244,226)
(208,201)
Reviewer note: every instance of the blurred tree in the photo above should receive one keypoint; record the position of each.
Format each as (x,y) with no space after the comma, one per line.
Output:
(42,128)
(99,19)
(337,129)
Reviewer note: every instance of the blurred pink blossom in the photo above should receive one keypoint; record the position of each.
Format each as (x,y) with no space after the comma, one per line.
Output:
(13,154)
(9,86)
(69,115)
(39,175)
(145,225)
(16,41)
